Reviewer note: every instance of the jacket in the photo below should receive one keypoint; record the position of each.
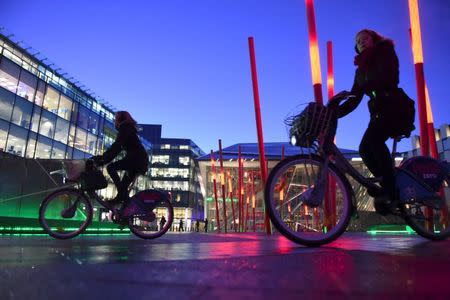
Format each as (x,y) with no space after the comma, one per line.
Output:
(377,77)
(127,140)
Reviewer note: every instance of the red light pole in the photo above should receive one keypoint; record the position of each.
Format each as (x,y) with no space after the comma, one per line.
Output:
(331,210)
(222,183)
(416,39)
(240,189)
(262,156)
(213,173)
(314,52)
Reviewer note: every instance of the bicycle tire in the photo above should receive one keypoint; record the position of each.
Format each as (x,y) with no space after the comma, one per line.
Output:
(285,229)
(419,227)
(55,226)
(148,234)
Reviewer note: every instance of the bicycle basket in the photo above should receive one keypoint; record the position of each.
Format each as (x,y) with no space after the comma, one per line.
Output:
(314,121)
(93,179)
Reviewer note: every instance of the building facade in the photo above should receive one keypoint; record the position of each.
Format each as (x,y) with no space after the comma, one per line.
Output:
(251,213)
(174,168)
(43,115)
(442,136)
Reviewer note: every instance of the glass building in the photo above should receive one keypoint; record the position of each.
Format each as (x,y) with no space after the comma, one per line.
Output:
(44,116)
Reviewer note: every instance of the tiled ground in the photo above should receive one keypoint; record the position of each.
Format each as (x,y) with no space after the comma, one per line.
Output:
(219,266)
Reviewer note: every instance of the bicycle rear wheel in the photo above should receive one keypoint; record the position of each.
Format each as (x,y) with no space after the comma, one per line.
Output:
(292,216)
(65,213)
(149,225)
(430,218)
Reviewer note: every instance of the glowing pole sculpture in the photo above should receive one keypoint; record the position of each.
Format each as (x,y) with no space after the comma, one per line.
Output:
(316,76)
(314,52)
(230,191)
(416,41)
(331,210)
(262,156)
(253,202)
(222,183)
(213,172)
(420,79)
(240,189)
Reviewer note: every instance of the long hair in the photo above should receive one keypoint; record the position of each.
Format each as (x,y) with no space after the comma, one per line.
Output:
(123,117)
(376,37)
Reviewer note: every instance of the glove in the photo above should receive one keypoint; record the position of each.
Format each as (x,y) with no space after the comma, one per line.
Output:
(339,96)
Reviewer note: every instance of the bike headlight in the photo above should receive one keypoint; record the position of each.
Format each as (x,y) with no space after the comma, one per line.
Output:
(293,140)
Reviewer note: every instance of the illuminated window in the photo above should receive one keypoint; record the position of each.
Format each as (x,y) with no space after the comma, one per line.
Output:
(58,150)
(31,146)
(9,74)
(83,117)
(91,144)
(22,113)
(160,159)
(93,123)
(47,124)
(80,139)
(16,140)
(51,100)
(44,145)
(170,172)
(36,118)
(27,85)
(165,146)
(184,160)
(3,133)
(171,185)
(39,98)
(65,107)
(6,104)
(62,130)
(184,147)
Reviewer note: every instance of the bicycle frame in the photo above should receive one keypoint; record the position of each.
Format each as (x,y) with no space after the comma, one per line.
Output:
(343,165)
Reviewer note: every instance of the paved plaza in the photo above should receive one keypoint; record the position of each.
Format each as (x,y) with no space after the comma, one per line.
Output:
(223,266)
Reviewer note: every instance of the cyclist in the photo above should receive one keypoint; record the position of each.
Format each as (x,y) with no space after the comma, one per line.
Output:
(134,162)
(377,75)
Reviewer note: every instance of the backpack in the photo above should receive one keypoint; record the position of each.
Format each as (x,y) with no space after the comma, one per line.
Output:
(398,110)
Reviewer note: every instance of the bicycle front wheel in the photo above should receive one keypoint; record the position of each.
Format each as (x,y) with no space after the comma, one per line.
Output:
(299,221)
(65,213)
(430,218)
(154,223)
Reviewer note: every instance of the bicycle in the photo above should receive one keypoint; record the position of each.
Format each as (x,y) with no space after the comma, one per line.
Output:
(67,212)
(310,200)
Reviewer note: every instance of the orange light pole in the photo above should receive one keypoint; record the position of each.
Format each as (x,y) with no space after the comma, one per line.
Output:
(213,173)
(222,183)
(314,52)
(253,202)
(416,40)
(331,210)
(241,189)
(230,191)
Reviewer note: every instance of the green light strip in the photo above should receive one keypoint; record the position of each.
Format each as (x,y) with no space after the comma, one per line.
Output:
(13,230)
(407,230)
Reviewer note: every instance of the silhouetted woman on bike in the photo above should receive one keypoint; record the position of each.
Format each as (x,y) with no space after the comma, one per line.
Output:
(134,162)
(377,76)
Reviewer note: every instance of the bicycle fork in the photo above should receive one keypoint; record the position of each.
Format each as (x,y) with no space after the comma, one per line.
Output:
(315,194)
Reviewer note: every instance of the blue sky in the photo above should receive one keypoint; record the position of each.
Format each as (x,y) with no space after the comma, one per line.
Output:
(185,64)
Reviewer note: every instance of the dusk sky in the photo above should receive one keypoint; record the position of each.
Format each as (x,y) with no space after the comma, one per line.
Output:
(185,64)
